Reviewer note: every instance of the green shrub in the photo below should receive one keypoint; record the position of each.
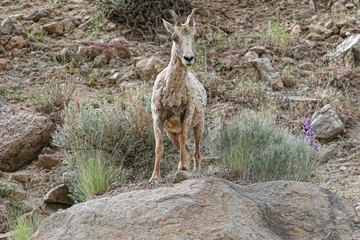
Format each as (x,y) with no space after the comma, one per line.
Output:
(261,151)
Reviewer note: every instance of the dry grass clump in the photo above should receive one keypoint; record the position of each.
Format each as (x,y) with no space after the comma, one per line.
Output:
(144,15)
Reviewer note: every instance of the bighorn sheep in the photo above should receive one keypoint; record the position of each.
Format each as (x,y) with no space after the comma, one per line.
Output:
(178,98)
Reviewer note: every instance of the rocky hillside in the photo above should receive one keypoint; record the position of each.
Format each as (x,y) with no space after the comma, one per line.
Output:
(296,59)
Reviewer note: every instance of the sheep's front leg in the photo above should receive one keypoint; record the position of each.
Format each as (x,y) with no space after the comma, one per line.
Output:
(159,149)
(184,163)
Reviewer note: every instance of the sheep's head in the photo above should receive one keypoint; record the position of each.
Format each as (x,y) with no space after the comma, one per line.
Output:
(184,36)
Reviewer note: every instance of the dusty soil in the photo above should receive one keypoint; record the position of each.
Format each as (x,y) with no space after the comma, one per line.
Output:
(228,29)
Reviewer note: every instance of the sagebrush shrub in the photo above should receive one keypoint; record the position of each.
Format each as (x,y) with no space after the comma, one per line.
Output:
(122,132)
(259,150)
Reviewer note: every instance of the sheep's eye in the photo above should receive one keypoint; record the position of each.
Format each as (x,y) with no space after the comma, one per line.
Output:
(196,36)
(175,37)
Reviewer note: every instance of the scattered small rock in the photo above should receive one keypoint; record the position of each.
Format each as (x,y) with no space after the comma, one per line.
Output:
(307,14)
(68,53)
(16,42)
(6,236)
(21,177)
(59,195)
(54,28)
(4,64)
(18,195)
(148,69)
(181,176)
(2,101)
(327,153)
(327,125)
(295,31)
(48,161)
(110,27)
(347,53)
(36,15)
(343,169)
(6,26)
(268,73)
(263,68)
(100,61)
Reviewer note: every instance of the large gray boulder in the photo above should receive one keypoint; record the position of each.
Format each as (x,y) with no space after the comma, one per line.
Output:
(23,135)
(207,208)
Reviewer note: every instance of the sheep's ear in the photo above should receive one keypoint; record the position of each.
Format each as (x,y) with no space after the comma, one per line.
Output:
(169,27)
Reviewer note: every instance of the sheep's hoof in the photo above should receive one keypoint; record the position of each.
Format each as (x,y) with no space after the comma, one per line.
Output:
(183,167)
(197,169)
(155,178)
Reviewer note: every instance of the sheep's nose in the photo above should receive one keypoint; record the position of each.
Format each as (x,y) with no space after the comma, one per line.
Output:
(188,58)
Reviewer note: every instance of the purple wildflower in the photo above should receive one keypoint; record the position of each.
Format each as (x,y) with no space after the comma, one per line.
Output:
(310,133)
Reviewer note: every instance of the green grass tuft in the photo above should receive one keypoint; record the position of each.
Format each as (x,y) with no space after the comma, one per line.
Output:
(259,150)
(25,227)
(95,174)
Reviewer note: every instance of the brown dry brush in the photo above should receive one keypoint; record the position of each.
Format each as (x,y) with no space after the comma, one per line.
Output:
(144,16)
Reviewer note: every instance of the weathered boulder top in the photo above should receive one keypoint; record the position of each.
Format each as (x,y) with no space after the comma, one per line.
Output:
(207,208)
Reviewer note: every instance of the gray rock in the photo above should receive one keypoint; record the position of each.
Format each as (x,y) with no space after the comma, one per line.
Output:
(148,69)
(317,28)
(36,15)
(23,135)
(268,73)
(41,65)
(181,176)
(207,208)
(2,101)
(213,136)
(263,69)
(18,195)
(327,153)
(58,195)
(68,53)
(295,31)
(327,125)
(100,61)
(48,161)
(259,50)
(21,177)
(54,28)
(5,236)
(307,14)
(346,53)
(6,26)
